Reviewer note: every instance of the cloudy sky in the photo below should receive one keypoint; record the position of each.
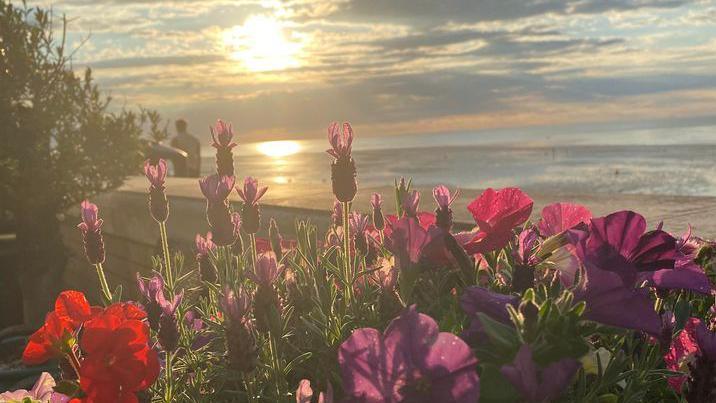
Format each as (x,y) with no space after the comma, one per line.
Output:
(284,69)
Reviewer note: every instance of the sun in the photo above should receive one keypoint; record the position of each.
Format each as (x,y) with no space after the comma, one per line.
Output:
(262,43)
(278,149)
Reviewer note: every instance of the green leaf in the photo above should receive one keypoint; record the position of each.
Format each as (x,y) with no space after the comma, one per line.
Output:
(494,387)
(501,335)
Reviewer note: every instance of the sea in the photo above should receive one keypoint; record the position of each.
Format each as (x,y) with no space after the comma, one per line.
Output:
(664,161)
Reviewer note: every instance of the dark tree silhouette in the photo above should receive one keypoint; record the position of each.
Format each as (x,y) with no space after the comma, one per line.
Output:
(59,143)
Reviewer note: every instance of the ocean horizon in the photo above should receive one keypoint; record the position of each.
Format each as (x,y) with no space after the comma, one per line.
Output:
(664,161)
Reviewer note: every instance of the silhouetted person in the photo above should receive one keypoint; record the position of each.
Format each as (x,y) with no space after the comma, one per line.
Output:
(190,144)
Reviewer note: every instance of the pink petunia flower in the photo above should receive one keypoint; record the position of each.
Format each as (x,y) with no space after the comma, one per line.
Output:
(559,217)
(497,213)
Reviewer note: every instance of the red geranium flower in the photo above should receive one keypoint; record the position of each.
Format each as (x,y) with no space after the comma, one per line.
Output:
(117,358)
(497,213)
(55,337)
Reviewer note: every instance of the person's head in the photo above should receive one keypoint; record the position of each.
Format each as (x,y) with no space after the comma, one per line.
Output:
(181,125)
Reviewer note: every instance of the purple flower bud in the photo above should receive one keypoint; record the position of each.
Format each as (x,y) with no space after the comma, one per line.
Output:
(156,174)
(215,188)
(204,246)
(91,228)
(152,291)
(442,196)
(337,214)
(251,192)
(376,201)
(222,134)
(234,305)
(340,144)
(236,221)
(266,270)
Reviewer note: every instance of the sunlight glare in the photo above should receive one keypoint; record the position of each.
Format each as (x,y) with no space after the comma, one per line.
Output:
(262,43)
(278,149)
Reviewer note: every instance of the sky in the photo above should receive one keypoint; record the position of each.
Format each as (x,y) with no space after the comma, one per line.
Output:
(285,69)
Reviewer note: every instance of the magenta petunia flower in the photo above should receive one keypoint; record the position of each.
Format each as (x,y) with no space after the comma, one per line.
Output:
(559,217)
(412,361)
(222,134)
(535,385)
(266,271)
(340,144)
(442,196)
(497,213)
(410,203)
(406,241)
(215,188)
(156,174)
(425,219)
(251,193)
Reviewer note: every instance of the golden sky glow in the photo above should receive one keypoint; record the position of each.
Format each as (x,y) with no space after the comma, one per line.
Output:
(262,43)
(285,69)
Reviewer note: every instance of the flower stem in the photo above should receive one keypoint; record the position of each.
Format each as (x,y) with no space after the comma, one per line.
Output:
(168,392)
(347,251)
(106,293)
(72,358)
(254,253)
(167,259)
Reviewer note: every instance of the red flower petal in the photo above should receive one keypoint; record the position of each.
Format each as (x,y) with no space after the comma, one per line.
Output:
(73,306)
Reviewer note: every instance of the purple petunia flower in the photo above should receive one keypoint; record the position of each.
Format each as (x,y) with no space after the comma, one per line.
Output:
(618,243)
(539,386)
(410,362)
(481,300)
(686,274)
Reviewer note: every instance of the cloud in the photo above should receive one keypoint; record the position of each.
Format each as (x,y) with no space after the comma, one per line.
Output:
(431,12)
(395,66)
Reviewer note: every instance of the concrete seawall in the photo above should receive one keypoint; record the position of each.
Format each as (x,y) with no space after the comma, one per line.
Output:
(132,237)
